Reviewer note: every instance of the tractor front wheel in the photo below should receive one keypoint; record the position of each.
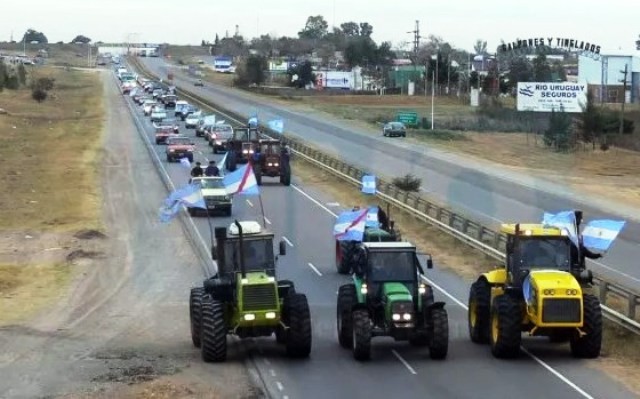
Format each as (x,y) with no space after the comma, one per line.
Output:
(588,346)
(214,332)
(506,319)
(439,334)
(361,334)
(298,339)
(195,316)
(346,299)
(478,315)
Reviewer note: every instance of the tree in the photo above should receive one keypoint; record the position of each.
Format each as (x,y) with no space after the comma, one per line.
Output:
(480,47)
(315,28)
(350,28)
(32,35)
(520,70)
(81,39)
(302,75)
(591,121)
(252,71)
(361,51)
(365,29)
(558,71)
(22,74)
(38,94)
(3,75)
(541,69)
(559,132)
(217,40)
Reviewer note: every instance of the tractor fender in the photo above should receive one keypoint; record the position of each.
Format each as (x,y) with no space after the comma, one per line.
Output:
(495,277)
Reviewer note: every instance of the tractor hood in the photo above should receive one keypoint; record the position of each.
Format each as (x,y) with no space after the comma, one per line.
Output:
(214,192)
(396,292)
(556,280)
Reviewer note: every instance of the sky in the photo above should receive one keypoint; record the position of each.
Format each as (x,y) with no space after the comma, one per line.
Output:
(611,24)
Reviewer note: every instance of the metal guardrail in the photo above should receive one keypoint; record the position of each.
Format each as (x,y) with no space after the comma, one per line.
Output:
(470,232)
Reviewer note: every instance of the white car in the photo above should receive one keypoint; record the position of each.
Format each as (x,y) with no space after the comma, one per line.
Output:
(215,195)
(158,113)
(148,105)
(192,120)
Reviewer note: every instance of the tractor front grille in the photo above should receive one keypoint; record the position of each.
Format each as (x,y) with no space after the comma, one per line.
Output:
(259,297)
(560,310)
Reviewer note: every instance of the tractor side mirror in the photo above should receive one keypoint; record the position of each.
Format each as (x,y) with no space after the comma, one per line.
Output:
(429,263)
(283,248)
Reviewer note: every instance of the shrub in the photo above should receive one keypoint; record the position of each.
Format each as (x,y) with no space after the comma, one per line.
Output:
(38,94)
(407,182)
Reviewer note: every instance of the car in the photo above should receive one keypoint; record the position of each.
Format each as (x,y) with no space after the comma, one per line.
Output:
(140,100)
(204,124)
(170,100)
(218,136)
(188,110)
(216,196)
(192,120)
(179,106)
(168,123)
(163,133)
(198,83)
(158,113)
(157,93)
(391,129)
(148,105)
(179,147)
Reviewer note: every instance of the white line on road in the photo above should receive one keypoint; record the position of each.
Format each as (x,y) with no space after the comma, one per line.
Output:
(541,362)
(279,385)
(314,269)
(287,241)
(267,220)
(266,361)
(250,204)
(406,364)
(272,372)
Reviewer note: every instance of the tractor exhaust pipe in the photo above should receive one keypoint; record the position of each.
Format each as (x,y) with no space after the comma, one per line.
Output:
(243,272)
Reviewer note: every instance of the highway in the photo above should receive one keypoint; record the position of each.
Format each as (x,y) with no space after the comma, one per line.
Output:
(303,218)
(484,193)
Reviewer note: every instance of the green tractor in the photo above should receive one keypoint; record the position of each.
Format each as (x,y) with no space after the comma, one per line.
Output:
(346,250)
(388,298)
(245,299)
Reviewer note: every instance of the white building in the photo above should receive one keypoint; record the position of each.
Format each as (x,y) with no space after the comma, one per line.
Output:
(604,75)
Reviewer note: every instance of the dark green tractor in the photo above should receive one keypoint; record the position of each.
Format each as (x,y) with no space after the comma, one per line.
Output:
(346,250)
(245,299)
(388,298)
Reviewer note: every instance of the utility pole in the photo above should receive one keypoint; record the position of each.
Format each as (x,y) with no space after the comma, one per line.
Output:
(416,45)
(624,96)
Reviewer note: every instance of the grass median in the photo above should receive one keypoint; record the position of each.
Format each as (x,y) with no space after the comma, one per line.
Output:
(50,155)
(621,349)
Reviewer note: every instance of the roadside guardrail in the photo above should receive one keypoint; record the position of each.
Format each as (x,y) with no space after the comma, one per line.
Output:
(470,232)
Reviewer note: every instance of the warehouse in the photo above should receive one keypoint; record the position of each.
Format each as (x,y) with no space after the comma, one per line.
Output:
(605,74)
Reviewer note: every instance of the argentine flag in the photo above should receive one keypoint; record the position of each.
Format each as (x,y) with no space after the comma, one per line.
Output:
(223,164)
(563,220)
(185,162)
(369,184)
(277,125)
(372,218)
(189,196)
(350,225)
(242,181)
(600,234)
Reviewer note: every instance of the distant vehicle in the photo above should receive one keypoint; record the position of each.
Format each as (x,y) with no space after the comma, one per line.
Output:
(192,120)
(168,123)
(179,147)
(148,105)
(198,83)
(204,124)
(163,133)
(158,113)
(179,106)
(170,100)
(394,129)
(219,135)
(188,110)
(157,93)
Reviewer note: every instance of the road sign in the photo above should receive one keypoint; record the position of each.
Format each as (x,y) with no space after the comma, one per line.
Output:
(407,117)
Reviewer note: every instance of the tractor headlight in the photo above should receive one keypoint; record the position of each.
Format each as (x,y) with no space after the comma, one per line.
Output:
(364,289)
(249,317)
(245,281)
(227,198)
(422,289)
(549,292)
(270,315)
(245,151)
(396,317)
(171,150)
(572,292)
(406,316)
(271,279)
(276,164)
(269,164)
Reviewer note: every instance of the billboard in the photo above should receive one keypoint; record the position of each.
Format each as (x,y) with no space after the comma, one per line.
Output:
(334,79)
(222,64)
(547,96)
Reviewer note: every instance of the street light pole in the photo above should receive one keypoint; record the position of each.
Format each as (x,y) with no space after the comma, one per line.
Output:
(433,92)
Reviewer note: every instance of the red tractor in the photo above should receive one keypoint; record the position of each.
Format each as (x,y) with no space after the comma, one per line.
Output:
(271,159)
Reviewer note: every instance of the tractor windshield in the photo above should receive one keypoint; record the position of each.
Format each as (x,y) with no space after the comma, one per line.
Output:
(543,253)
(258,254)
(392,266)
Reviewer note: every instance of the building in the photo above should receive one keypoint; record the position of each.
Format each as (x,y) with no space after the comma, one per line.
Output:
(604,76)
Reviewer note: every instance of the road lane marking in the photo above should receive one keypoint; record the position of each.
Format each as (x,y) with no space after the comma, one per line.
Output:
(333,204)
(267,220)
(541,362)
(314,269)
(250,204)
(406,364)
(287,241)
(272,372)
(279,385)
(266,361)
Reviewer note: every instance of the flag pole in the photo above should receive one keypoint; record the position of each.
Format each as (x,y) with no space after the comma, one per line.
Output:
(264,218)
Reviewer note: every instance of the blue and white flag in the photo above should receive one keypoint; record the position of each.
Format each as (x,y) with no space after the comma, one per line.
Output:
(277,125)
(185,162)
(565,220)
(350,225)
(253,121)
(189,196)
(526,289)
(369,184)
(242,181)
(223,164)
(600,234)
(372,218)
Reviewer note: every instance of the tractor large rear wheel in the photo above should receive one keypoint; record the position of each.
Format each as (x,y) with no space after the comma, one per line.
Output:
(346,299)
(589,345)
(298,317)
(439,334)
(479,313)
(342,257)
(361,334)
(506,319)
(195,314)
(214,332)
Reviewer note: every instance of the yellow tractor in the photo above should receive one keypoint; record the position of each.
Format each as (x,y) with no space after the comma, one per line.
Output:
(538,291)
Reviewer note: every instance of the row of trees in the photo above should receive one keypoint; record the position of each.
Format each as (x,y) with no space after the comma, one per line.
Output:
(32,35)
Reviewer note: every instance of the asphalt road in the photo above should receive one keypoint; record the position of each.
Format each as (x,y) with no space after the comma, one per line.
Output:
(305,220)
(488,195)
